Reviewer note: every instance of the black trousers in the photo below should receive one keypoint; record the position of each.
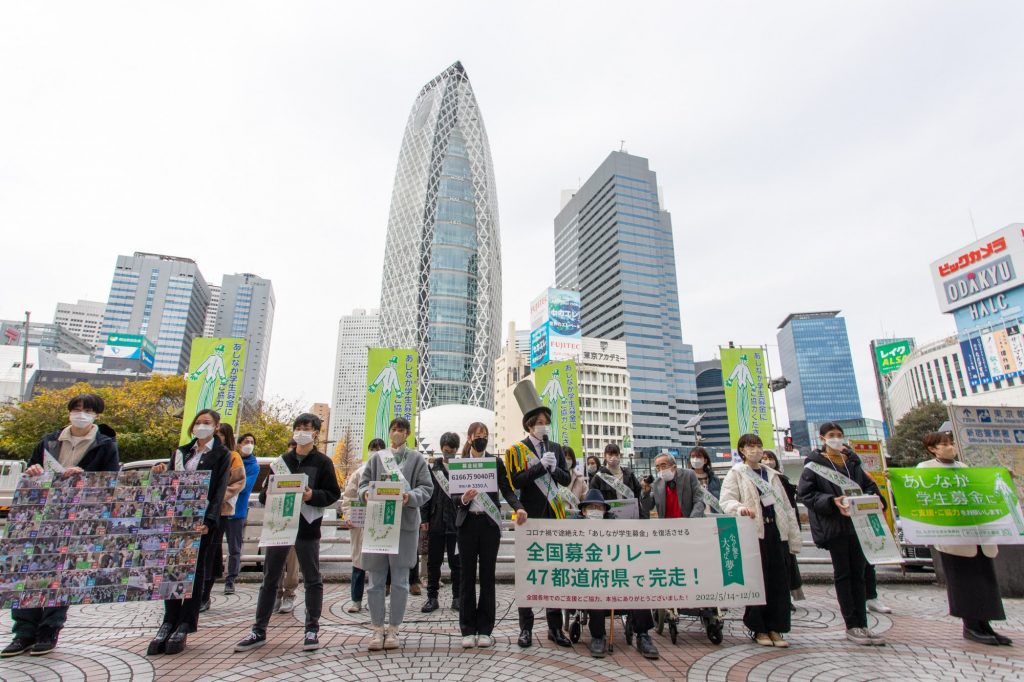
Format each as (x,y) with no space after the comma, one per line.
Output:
(848,564)
(437,543)
(773,616)
(307,551)
(214,561)
(643,621)
(478,540)
(870,582)
(186,611)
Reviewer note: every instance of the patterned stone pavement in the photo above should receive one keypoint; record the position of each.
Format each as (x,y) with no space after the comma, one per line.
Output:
(108,642)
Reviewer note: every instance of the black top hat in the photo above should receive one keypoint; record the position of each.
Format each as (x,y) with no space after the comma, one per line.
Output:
(529,402)
(594,496)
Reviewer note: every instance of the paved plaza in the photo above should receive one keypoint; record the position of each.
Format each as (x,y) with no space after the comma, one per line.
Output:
(108,642)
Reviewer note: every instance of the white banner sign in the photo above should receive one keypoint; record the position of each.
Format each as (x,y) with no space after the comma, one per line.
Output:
(616,564)
(473,474)
(281,515)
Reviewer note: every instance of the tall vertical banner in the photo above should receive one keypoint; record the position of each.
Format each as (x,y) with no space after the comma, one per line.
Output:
(747,396)
(556,329)
(559,389)
(391,378)
(214,381)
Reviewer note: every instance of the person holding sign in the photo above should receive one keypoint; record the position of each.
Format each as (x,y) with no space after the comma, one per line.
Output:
(408,470)
(972,587)
(355,515)
(830,476)
(615,481)
(478,519)
(321,491)
(80,446)
(439,519)
(204,452)
(756,491)
(535,466)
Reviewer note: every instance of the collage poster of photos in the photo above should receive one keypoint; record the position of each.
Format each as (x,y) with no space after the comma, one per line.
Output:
(102,537)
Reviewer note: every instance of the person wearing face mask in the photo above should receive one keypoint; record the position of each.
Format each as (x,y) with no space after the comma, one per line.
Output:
(321,491)
(234,525)
(593,465)
(236,482)
(204,452)
(348,496)
(577,483)
(700,462)
(439,521)
(796,582)
(80,446)
(536,467)
(615,481)
(831,527)
(594,507)
(756,491)
(478,519)
(972,588)
(675,493)
(410,468)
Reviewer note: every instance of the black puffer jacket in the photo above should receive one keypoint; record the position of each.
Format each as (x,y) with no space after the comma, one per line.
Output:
(439,511)
(102,455)
(818,495)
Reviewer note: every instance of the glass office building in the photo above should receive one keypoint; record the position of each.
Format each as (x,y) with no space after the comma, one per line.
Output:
(441,287)
(815,353)
(613,244)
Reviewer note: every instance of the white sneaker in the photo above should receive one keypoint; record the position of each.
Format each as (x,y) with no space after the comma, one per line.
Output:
(469,641)
(377,639)
(391,640)
(287,605)
(484,641)
(877,606)
(355,607)
(859,636)
(876,639)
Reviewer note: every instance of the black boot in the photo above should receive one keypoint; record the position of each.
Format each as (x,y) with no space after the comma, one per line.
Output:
(176,642)
(980,637)
(558,637)
(525,638)
(157,644)
(430,605)
(645,646)
(598,648)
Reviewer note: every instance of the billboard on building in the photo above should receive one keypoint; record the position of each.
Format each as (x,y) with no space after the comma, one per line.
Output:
(557,313)
(216,367)
(981,270)
(134,348)
(391,378)
(890,356)
(747,395)
(994,355)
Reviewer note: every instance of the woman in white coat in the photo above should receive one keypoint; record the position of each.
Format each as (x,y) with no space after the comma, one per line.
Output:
(350,495)
(971,586)
(754,490)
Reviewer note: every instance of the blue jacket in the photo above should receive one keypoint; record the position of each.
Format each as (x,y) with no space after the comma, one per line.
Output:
(252,472)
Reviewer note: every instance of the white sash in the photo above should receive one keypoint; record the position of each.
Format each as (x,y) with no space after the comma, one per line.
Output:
(483,498)
(845,483)
(620,487)
(710,501)
(441,480)
(309,513)
(546,484)
(387,458)
(766,488)
(568,497)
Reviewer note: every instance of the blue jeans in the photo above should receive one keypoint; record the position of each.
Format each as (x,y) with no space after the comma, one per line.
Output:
(358,583)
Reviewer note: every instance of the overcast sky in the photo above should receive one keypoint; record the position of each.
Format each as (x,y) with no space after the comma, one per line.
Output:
(814,156)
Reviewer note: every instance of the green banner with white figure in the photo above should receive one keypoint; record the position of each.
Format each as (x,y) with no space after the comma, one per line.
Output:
(559,389)
(214,381)
(391,377)
(747,395)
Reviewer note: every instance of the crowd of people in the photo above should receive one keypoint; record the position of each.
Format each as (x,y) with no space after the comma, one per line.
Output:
(538,479)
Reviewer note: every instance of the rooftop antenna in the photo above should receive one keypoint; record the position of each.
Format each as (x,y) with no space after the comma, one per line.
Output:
(622,146)
(972,223)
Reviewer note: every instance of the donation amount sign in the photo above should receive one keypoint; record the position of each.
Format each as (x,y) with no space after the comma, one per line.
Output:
(473,474)
(657,563)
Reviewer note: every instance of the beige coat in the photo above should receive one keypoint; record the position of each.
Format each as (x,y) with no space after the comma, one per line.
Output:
(577,485)
(967,551)
(236,483)
(738,491)
(350,494)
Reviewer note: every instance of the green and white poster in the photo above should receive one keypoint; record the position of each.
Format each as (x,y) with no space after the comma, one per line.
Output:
(391,377)
(214,381)
(890,356)
(747,396)
(559,389)
(958,506)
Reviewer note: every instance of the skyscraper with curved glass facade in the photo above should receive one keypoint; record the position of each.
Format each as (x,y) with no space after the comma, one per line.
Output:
(441,285)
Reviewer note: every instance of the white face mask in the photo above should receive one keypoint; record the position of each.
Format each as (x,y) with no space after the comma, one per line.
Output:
(202,431)
(81,419)
(753,455)
(834,443)
(591,469)
(595,513)
(539,431)
(613,462)
(697,464)
(667,474)
(248,448)
(303,437)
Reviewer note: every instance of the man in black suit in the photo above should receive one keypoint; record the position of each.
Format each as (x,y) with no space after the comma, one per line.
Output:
(536,466)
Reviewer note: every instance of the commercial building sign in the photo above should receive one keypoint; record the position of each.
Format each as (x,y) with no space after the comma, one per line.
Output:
(557,313)
(981,270)
(890,356)
(130,347)
(994,355)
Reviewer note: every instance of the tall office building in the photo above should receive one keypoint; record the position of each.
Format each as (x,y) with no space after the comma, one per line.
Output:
(714,427)
(83,319)
(246,310)
(604,397)
(210,325)
(441,289)
(162,297)
(613,244)
(323,410)
(357,333)
(815,353)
